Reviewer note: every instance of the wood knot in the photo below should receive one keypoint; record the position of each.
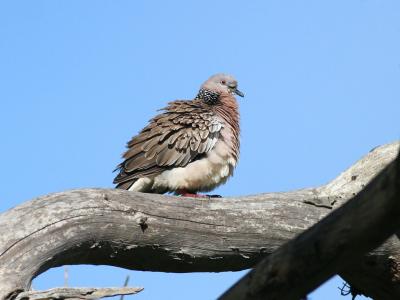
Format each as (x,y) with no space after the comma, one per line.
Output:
(142,223)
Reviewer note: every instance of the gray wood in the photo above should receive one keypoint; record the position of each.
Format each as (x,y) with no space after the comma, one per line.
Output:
(165,233)
(77,293)
(357,227)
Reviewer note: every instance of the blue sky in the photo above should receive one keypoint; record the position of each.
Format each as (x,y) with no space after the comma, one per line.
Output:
(79,78)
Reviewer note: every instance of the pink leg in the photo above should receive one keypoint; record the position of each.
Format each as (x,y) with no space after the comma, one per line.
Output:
(185,193)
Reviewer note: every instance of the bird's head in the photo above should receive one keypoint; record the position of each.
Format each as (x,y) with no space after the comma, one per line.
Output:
(218,85)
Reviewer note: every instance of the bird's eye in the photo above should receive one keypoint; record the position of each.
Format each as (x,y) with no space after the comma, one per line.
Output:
(223,81)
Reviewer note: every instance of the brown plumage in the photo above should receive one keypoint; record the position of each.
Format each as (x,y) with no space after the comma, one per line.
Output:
(192,146)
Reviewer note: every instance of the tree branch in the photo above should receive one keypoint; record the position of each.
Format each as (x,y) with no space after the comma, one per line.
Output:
(127,229)
(77,293)
(328,247)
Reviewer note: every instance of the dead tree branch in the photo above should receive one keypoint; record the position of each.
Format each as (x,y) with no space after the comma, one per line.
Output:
(127,229)
(328,247)
(77,293)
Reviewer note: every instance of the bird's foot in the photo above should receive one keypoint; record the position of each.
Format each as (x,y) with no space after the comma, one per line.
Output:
(184,193)
(214,196)
(193,195)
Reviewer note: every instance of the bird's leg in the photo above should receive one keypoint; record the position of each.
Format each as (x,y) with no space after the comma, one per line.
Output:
(185,193)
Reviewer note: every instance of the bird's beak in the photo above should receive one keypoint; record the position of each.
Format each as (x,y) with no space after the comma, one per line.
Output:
(239,93)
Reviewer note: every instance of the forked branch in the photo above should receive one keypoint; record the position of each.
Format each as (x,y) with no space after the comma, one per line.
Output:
(165,233)
(330,246)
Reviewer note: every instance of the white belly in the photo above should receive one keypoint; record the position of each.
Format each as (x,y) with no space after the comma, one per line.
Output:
(199,176)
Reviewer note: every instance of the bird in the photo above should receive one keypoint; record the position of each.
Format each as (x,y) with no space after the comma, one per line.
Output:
(192,146)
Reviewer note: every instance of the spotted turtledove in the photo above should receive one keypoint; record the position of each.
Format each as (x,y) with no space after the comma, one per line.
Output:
(192,146)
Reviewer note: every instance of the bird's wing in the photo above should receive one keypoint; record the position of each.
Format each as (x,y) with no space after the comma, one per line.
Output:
(183,133)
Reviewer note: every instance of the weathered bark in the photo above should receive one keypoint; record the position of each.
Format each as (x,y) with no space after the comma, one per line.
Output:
(328,247)
(77,293)
(164,233)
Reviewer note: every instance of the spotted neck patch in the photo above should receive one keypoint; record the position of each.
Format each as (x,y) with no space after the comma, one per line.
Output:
(208,96)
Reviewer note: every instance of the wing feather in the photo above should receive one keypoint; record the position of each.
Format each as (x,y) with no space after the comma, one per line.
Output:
(181,134)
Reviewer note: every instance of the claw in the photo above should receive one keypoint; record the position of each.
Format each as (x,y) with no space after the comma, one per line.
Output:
(193,195)
(214,196)
(184,193)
